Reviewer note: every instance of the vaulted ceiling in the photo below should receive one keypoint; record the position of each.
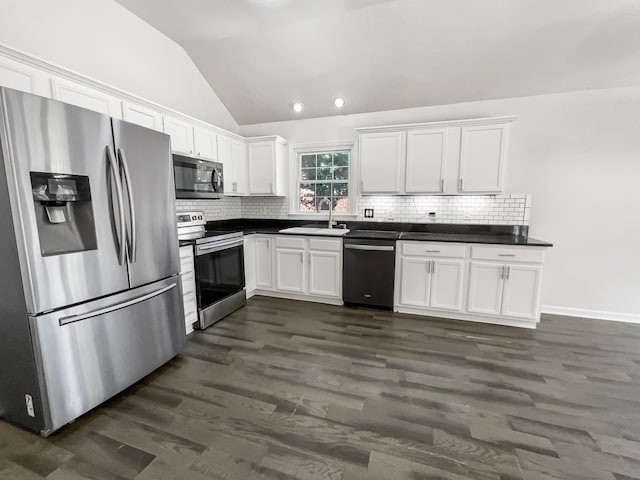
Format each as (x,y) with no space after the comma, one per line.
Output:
(261,55)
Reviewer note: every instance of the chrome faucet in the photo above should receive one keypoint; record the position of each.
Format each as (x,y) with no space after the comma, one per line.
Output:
(322,202)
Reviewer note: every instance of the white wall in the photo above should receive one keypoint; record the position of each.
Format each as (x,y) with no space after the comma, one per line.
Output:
(578,154)
(103,40)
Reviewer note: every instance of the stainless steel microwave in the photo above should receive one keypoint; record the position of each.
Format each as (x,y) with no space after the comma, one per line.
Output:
(196,178)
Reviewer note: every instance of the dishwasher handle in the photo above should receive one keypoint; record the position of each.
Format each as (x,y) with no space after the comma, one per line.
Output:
(375,248)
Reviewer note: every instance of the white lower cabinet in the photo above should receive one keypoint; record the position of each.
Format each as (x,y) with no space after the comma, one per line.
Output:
(325,273)
(485,288)
(494,284)
(250,264)
(187,273)
(431,283)
(447,278)
(264,262)
(521,295)
(292,266)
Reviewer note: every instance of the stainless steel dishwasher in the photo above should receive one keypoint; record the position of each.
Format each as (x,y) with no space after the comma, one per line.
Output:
(368,273)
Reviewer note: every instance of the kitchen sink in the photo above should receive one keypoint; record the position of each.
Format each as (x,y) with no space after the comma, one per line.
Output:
(332,232)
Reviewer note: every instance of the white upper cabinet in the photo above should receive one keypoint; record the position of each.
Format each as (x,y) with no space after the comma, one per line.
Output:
(232,154)
(482,158)
(239,160)
(142,116)
(225,157)
(86,97)
(204,143)
(267,167)
(461,156)
(426,160)
(181,134)
(19,76)
(381,162)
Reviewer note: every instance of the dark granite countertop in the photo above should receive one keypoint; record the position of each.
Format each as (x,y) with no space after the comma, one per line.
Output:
(428,232)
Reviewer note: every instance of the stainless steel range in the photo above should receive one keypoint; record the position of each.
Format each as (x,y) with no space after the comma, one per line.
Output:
(219,264)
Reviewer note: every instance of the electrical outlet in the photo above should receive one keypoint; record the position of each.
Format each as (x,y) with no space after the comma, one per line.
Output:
(368,213)
(391,214)
(466,215)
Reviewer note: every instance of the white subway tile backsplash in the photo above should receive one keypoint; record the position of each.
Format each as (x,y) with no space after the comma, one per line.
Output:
(505,209)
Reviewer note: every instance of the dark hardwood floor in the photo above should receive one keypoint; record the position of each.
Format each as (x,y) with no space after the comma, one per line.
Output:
(293,390)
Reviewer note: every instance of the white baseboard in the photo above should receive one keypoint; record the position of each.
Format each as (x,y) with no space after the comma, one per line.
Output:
(595,314)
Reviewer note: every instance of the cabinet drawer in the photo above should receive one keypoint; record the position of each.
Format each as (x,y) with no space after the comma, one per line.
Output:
(331,245)
(290,242)
(186,252)
(513,254)
(426,249)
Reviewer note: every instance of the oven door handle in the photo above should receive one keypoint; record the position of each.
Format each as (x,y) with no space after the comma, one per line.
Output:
(216,247)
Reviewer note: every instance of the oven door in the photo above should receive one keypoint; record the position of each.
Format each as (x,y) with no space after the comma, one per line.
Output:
(196,178)
(220,281)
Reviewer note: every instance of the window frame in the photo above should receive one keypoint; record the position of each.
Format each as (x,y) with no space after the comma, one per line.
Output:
(296,166)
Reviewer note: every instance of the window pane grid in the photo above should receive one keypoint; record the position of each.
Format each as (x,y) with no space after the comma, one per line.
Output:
(324,175)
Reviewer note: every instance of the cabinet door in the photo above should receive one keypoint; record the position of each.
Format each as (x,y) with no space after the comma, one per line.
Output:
(482,158)
(250,262)
(204,143)
(381,162)
(426,157)
(290,270)
(239,155)
(22,77)
(447,279)
(142,116)
(415,281)
(325,274)
(264,263)
(485,288)
(181,134)
(225,157)
(85,97)
(262,168)
(522,291)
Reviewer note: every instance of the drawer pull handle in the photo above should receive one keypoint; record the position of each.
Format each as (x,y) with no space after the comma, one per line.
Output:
(187,293)
(506,254)
(432,251)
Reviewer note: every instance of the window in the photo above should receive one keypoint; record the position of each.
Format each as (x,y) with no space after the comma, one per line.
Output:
(324,175)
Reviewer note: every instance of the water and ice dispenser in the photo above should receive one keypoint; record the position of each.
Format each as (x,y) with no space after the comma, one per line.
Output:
(64,213)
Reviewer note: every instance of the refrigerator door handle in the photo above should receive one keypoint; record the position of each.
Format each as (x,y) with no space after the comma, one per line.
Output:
(133,235)
(112,308)
(113,166)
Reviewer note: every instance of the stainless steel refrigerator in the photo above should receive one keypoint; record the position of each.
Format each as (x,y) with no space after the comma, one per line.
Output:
(90,293)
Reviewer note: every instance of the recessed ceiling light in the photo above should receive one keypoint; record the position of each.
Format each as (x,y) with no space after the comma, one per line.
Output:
(297,107)
(339,102)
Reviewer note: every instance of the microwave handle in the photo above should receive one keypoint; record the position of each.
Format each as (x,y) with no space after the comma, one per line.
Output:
(215,180)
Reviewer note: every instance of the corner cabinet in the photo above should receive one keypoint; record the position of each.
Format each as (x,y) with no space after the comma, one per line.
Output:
(484,283)
(267,166)
(453,157)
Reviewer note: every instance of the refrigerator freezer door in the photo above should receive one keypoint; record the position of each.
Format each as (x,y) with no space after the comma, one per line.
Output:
(147,176)
(91,352)
(50,137)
